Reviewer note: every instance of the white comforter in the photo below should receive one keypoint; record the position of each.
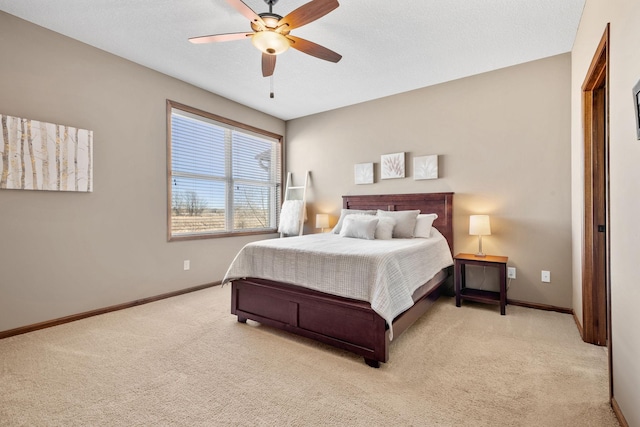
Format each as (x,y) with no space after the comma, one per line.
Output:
(383,272)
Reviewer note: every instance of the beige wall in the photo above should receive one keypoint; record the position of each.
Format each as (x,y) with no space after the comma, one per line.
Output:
(66,253)
(624,179)
(504,144)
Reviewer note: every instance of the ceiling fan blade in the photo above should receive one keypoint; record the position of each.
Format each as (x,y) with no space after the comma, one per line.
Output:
(220,38)
(314,49)
(246,11)
(268,64)
(308,12)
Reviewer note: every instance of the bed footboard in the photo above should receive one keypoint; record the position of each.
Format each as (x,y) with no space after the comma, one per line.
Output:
(344,323)
(348,324)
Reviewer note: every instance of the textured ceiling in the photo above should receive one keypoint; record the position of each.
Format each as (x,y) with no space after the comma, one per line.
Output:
(388,47)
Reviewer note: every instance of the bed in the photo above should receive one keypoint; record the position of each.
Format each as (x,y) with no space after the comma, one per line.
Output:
(347,323)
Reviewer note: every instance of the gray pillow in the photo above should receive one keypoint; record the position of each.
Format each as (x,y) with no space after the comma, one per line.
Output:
(405,222)
(359,227)
(384,230)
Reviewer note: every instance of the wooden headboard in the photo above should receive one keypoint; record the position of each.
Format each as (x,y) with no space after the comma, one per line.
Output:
(439,203)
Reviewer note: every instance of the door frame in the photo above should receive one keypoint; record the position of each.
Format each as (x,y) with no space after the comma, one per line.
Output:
(596,296)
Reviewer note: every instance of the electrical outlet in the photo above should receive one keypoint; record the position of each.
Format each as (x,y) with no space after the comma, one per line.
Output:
(511,272)
(187,264)
(546,276)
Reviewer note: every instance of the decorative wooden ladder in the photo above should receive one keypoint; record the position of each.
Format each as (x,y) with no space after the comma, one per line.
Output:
(289,189)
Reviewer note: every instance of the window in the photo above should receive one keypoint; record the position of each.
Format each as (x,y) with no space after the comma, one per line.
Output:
(224,177)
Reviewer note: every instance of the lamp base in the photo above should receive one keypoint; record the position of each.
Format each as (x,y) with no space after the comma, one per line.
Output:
(480,253)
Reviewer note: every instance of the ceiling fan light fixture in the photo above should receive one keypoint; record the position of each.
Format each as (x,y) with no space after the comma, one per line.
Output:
(270,42)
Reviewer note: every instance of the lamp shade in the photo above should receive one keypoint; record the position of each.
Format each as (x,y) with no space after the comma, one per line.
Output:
(479,225)
(322,220)
(270,42)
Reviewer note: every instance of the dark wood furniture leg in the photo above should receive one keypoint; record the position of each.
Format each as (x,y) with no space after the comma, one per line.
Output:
(372,363)
(503,288)
(459,280)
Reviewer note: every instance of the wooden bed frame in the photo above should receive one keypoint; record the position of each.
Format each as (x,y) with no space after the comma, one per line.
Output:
(344,323)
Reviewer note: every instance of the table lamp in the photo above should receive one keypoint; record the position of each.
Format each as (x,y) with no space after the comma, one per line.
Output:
(479,225)
(322,221)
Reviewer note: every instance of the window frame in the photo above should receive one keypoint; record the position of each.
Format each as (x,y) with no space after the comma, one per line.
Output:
(171,105)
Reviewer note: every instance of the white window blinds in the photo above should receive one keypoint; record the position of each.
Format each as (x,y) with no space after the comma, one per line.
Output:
(224,179)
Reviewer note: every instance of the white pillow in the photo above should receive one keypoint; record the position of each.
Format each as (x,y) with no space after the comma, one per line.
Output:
(405,222)
(384,230)
(345,212)
(424,222)
(359,227)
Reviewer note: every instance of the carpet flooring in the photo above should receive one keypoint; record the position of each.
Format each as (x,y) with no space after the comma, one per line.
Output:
(185,361)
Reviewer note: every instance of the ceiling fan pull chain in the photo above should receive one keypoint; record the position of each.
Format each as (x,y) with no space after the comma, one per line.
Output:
(271,84)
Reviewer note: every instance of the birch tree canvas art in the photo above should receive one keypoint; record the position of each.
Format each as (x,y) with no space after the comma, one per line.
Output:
(45,156)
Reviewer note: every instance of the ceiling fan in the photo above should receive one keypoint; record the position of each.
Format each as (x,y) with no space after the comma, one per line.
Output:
(271,31)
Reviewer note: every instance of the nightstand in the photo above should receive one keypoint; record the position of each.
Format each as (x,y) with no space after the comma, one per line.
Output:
(478,295)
